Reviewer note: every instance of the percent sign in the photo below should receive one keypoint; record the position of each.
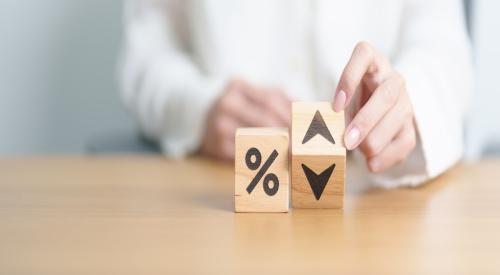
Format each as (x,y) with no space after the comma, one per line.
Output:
(255,164)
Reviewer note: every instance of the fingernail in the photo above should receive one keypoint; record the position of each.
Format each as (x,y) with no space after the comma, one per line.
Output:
(352,138)
(339,101)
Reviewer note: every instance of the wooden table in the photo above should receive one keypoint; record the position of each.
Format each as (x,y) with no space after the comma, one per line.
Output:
(149,215)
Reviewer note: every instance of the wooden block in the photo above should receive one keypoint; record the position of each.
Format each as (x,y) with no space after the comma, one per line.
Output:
(309,136)
(318,180)
(261,159)
(318,156)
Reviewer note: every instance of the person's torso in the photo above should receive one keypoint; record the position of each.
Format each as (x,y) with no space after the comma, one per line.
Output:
(299,45)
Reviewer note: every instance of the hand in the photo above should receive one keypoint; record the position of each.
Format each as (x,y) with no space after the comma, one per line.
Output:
(242,105)
(383,121)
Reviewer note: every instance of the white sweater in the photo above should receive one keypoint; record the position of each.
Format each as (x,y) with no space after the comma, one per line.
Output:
(178,56)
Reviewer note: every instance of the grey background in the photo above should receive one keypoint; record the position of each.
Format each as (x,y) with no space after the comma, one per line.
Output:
(59,94)
(58,83)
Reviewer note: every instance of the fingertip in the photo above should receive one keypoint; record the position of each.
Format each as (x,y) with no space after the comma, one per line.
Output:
(374,166)
(351,138)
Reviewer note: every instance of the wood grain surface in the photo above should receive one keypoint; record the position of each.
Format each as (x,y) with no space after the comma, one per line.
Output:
(149,215)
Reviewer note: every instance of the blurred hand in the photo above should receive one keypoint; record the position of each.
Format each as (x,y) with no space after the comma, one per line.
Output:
(242,105)
(382,116)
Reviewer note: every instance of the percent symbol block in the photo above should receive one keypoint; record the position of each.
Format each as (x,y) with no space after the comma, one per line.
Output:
(261,170)
(318,156)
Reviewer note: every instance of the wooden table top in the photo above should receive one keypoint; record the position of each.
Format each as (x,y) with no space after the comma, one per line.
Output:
(149,215)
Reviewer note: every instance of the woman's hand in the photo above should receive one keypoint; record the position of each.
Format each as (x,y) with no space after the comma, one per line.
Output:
(382,116)
(242,105)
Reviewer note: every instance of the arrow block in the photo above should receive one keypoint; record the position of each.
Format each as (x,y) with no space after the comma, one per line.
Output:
(308,132)
(261,170)
(318,156)
(318,180)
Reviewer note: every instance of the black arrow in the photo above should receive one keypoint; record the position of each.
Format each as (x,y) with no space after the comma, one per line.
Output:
(318,126)
(318,182)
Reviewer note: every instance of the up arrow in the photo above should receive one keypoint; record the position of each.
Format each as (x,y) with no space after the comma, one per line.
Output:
(318,126)
(318,182)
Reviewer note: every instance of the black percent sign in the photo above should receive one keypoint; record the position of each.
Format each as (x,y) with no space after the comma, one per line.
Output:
(255,164)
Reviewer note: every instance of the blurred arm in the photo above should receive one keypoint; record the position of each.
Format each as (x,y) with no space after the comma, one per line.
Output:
(434,59)
(161,84)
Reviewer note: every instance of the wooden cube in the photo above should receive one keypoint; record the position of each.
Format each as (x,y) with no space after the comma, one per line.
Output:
(308,133)
(318,180)
(318,156)
(261,170)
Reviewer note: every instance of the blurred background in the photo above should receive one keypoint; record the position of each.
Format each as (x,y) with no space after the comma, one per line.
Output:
(59,91)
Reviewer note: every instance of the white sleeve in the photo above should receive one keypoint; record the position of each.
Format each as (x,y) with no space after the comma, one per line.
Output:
(161,83)
(435,60)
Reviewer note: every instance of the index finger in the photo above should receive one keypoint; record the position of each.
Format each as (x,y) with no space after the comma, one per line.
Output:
(360,62)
